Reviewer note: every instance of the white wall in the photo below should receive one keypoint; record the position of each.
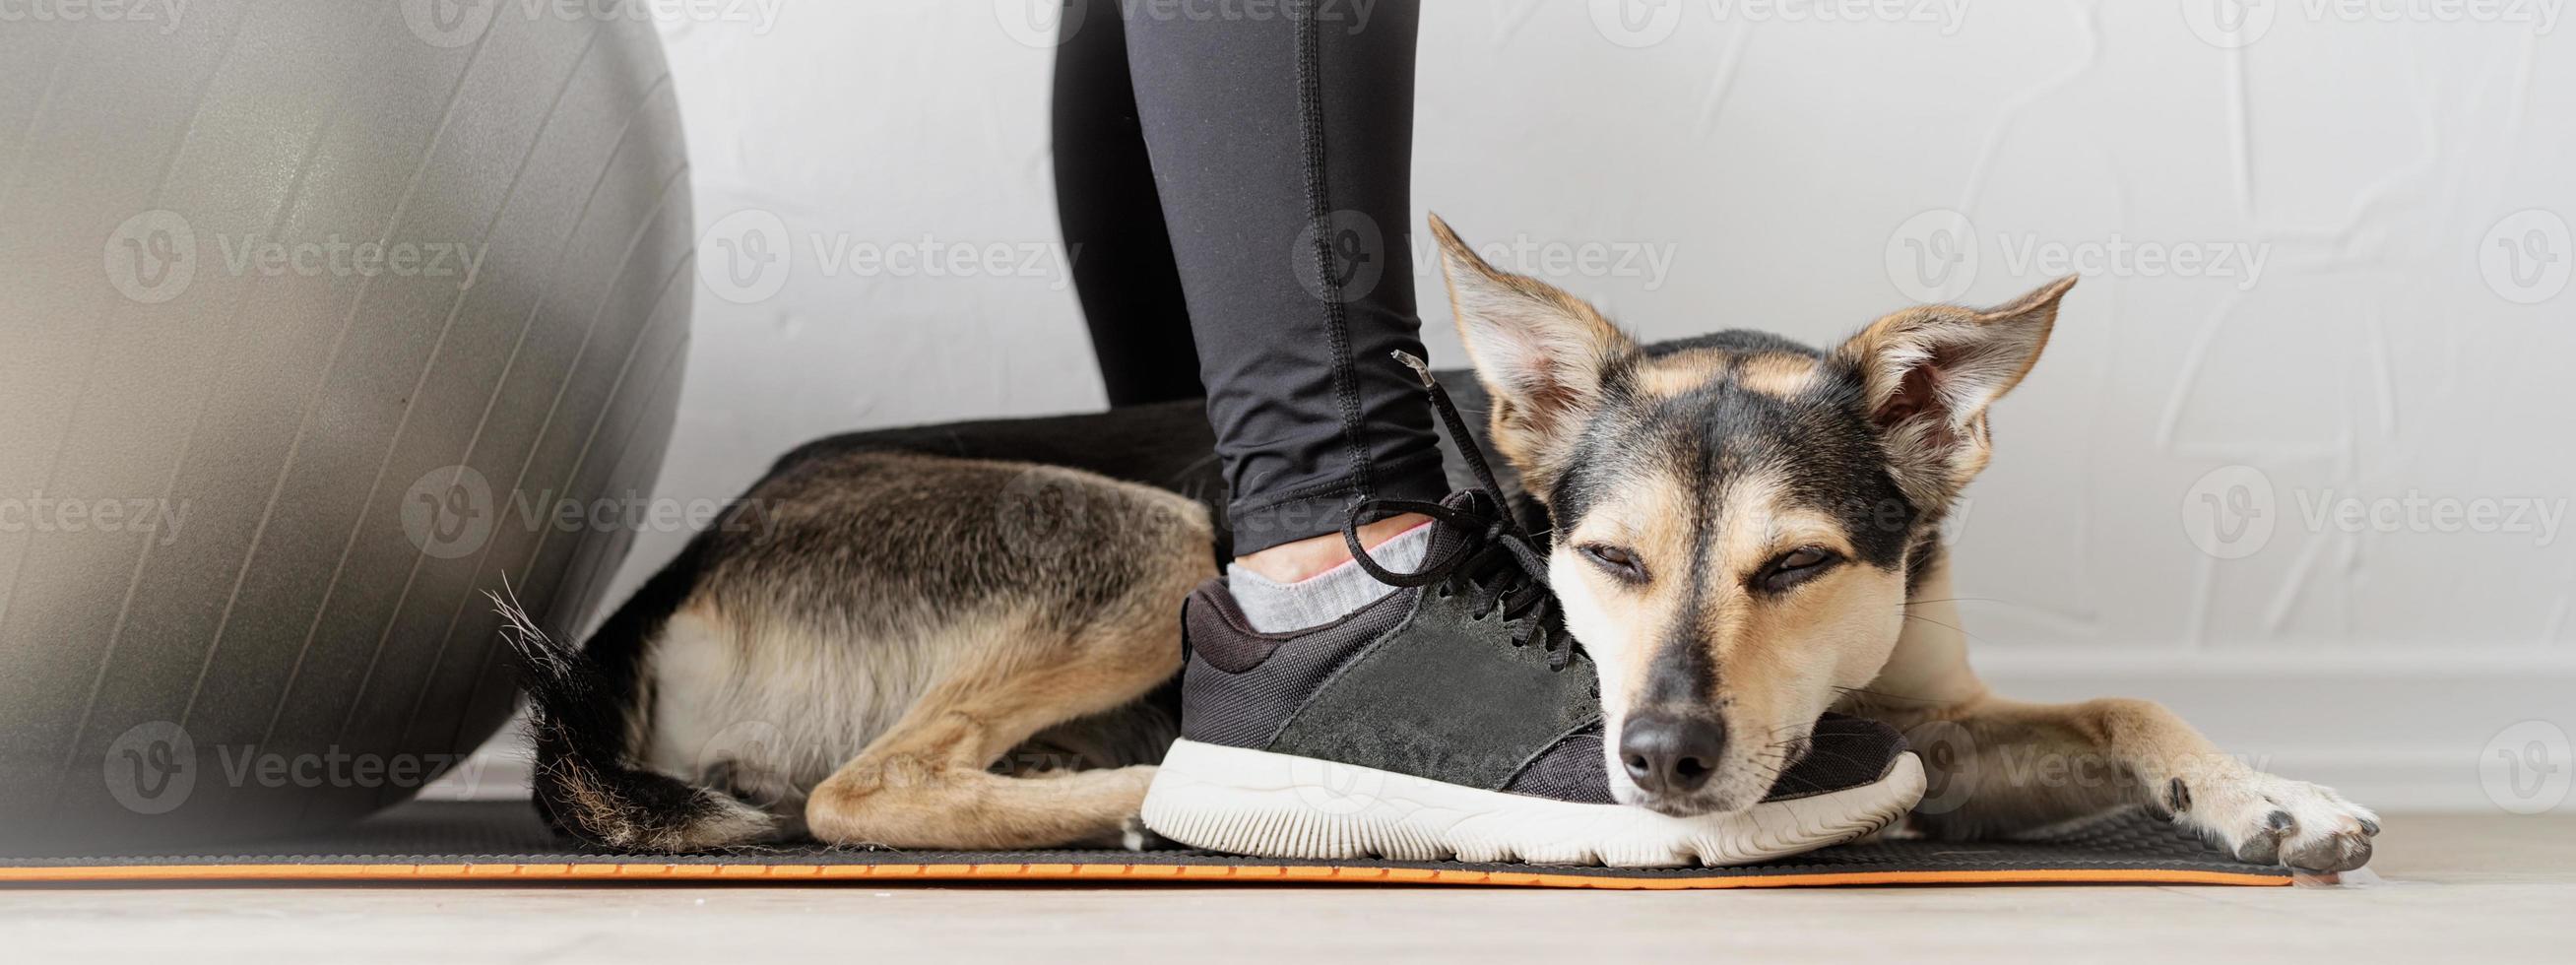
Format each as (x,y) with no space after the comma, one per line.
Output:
(1784,167)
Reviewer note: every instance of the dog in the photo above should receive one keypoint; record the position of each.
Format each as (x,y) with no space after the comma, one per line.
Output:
(965,636)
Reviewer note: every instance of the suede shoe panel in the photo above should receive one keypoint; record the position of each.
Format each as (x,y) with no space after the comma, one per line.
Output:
(1239,687)
(1446,696)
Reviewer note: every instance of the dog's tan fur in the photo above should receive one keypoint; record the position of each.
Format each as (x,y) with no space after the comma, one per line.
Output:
(927,783)
(883,721)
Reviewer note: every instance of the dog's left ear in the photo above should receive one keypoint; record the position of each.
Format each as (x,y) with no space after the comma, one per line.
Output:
(1929,373)
(1541,354)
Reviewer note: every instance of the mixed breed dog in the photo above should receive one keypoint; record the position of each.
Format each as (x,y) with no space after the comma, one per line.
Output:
(1696,624)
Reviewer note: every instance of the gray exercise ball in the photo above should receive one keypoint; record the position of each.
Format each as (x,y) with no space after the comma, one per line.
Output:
(319,319)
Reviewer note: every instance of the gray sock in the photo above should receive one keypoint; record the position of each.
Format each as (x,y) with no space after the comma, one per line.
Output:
(1273,607)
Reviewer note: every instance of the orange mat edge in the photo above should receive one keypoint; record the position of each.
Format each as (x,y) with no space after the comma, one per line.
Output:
(594,872)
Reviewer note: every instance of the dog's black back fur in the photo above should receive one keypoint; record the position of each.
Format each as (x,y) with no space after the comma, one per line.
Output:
(1167,445)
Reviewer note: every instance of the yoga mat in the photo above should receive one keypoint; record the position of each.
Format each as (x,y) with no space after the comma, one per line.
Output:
(503,842)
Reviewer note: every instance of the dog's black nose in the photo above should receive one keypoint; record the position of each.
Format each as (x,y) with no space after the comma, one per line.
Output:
(1671,754)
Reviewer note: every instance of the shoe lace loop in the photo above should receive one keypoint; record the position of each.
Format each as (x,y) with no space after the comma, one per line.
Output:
(1498,564)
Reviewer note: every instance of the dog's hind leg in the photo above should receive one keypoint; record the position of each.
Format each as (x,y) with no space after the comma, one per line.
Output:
(927,782)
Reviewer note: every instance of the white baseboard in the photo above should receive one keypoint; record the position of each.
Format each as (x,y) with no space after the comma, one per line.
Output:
(498,771)
(2412,733)
(2408,734)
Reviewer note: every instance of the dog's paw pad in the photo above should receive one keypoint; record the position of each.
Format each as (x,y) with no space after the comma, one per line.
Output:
(2269,820)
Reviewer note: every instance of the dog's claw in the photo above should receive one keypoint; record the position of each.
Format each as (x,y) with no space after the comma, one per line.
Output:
(2342,851)
(2263,847)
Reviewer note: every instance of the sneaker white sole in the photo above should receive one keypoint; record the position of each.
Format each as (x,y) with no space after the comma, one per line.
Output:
(1281,806)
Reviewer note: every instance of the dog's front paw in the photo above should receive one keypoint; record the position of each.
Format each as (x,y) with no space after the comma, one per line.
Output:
(2274,820)
(1135,836)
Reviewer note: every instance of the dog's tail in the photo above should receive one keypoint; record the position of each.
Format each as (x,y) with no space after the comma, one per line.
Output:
(586,783)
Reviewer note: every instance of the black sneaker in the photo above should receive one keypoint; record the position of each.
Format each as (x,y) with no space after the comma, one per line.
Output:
(1455,719)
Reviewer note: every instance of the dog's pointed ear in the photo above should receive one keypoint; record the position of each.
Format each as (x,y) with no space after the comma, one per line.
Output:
(1928,374)
(1541,353)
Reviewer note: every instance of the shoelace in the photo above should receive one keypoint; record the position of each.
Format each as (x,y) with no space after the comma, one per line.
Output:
(1496,566)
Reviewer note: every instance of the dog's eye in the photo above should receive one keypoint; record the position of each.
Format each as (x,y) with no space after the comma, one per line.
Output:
(1795,567)
(1620,562)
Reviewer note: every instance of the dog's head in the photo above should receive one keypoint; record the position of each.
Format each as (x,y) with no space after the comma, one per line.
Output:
(1736,516)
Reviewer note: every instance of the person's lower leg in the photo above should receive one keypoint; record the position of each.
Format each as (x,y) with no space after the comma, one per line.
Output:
(1283,150)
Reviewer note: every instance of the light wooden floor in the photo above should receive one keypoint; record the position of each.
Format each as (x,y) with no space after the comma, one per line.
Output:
(2460,889)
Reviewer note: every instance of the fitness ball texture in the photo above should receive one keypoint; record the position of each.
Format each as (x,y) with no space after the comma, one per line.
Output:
(316,318)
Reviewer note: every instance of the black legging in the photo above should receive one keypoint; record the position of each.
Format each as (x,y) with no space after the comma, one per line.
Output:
(1235,180)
